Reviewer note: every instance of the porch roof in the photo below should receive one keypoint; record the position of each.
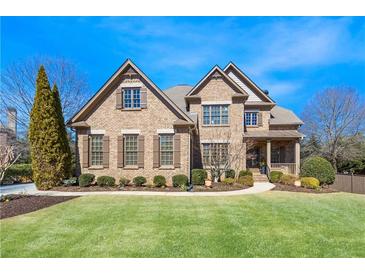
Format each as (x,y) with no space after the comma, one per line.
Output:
(273,134)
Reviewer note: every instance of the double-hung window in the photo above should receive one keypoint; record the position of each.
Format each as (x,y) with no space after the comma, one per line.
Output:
(96,148)
(166,149)
(130,150)
(215,154)
(251,118)
(215,115)
(132,98)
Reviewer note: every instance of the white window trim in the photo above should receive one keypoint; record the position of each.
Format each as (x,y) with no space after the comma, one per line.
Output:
(127,85)
(165,131)
(132,98)
(97,131)
(216,103)
(131,131)
(215,141)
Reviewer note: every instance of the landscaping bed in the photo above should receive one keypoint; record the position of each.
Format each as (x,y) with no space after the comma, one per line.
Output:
(13,205)
(293,188)
(215,187)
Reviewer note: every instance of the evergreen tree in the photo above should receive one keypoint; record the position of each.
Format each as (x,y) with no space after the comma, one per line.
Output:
(312,147)
(65,151)
(50,156)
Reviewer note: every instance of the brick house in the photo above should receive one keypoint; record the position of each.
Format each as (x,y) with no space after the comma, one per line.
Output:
(130,127)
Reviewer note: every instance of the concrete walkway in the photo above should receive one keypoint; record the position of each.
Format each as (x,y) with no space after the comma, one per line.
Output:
(17,189)
(257,188)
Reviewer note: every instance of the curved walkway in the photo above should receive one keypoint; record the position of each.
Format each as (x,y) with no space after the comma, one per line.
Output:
(257,188)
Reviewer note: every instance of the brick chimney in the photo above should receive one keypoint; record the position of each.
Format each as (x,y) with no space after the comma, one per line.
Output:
(12,120)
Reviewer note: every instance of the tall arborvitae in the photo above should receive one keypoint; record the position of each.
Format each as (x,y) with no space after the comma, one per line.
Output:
(65,151)
(45,137)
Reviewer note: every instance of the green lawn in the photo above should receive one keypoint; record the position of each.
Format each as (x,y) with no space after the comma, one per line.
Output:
(272,224)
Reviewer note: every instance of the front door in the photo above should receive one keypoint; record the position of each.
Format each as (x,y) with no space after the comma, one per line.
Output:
(253,157)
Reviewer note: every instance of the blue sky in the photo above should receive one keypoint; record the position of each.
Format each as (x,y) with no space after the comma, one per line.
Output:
(292,57)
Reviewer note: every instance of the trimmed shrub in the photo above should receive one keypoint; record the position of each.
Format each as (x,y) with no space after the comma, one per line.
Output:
(21,173)
(246,180)
(198,176)
(287,179)
(70,182)
(105,181)
(86,179)
(229,181)
(230,173)
(180,180)
(139,181)
(309,182)
(159,181)
(319,168)
(275,176)
(124,181)
(245,173)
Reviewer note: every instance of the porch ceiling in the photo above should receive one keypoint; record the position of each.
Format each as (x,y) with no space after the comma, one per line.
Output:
(273,134)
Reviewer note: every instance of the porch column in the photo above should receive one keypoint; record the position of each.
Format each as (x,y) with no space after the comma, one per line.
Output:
(297,157)
(268,153)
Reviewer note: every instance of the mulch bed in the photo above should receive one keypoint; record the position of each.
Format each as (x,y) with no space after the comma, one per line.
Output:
(292,188)
(13,205)
(215,187)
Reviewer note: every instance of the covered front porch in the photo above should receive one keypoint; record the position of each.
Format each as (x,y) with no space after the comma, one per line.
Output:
(275,152)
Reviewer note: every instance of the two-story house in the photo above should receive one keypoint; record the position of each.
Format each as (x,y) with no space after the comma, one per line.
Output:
(130,127)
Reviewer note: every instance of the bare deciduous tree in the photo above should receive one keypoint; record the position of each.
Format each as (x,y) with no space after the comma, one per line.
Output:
(18,82)
(226,151)
(335,117)
(8,156)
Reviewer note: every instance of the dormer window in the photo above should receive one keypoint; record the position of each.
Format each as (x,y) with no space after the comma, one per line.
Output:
(251,118)
(132,98)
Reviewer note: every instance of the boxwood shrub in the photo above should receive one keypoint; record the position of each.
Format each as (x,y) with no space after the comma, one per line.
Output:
(230,173)
(319,168)
(287,179)
(198,176)
(246,180)
(105,181)
(124,181)
(139,181)
(86,179)
(180,180)
(159,181)
(245,173)
(21,173)
(309,182)
(275,176)
(229,181)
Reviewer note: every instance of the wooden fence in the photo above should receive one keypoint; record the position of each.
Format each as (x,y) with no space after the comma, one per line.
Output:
(350,183)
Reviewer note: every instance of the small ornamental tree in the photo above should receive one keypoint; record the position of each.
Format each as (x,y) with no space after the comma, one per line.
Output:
(49,152)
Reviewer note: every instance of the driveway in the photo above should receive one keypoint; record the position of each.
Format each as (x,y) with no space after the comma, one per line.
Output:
(17,189)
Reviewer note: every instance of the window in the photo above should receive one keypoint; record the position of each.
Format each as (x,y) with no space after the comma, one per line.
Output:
(251,118)
(166,150)
(130,150)
(215,115)
(132,98)
(215,154)
(96,148)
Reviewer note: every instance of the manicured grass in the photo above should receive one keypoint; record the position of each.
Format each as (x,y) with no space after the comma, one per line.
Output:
(272,224)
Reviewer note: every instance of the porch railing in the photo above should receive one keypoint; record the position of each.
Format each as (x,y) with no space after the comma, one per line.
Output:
(289,168)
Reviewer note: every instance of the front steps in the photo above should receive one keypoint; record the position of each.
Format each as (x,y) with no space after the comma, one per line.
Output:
(259,178)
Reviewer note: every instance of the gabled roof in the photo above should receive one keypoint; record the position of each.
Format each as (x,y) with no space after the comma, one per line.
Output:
(216,70)
(241,74)
(123,68)
(283,116)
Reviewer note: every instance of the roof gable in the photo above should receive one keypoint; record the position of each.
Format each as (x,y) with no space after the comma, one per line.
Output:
(128,67)
(216,72)
(256,94)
